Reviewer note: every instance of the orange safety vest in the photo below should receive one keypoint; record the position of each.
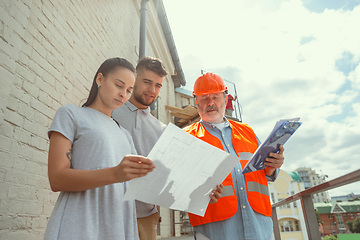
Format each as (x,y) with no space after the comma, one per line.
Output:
(244,140)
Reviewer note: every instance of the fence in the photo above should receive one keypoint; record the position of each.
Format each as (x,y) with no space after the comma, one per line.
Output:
(311,223)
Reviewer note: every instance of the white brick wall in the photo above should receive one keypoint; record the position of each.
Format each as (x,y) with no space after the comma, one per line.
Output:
(49,53)
(165,224)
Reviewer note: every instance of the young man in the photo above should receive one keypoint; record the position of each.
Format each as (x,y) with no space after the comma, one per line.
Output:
(144,128)
(245,213)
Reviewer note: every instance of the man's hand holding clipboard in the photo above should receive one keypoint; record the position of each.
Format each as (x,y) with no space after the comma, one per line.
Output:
(282,131)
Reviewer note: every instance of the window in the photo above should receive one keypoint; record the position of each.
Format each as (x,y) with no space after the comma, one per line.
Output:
(286,226)
(313,178)
(297,228)
(285,205)
(317,194)
(345,215)
(330,216)
(295,204)
(322,194)
(351,215)
(340,220)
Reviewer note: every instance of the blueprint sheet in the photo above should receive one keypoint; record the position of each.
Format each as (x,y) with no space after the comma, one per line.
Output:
(186,171)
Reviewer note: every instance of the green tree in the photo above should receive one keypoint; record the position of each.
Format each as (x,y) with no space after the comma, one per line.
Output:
(318,217)
(350,225)
(356,225)
(330,237)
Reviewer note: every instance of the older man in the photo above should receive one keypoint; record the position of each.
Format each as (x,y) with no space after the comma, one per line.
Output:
(244,210)
(144,128)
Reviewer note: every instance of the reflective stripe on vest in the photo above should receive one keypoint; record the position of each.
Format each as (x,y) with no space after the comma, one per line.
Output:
(227,191)
(245,144)
(256,187)
(245,155)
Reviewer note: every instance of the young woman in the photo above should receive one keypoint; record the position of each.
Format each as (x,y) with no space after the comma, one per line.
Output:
(89,162)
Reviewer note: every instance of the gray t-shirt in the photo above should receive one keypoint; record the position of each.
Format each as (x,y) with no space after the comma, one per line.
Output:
(145,130)
(100,213)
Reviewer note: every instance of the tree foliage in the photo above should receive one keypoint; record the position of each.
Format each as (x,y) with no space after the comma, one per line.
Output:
(330,237)
(318,217)
(354,226)
(349,224)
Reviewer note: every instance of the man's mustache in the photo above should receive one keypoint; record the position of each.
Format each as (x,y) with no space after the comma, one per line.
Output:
(211,108)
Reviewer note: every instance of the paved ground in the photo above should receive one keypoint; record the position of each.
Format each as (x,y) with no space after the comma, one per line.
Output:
(188,237)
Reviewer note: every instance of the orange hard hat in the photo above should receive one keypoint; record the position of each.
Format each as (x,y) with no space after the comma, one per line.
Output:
(209,83)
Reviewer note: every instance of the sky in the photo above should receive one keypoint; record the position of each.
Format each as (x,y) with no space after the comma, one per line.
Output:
(286,59)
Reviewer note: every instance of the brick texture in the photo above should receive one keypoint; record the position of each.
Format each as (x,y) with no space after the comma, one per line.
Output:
(49,53)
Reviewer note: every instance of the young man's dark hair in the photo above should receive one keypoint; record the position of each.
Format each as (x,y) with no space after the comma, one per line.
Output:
(152,64)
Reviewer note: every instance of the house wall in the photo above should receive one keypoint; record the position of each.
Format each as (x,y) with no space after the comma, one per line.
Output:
(50,51)
(283,187)
(328,228)
(183,100)
(292,236)
(330,225)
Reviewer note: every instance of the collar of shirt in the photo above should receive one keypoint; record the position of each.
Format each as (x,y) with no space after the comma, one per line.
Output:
(224,135)
(209,126)
(133,108)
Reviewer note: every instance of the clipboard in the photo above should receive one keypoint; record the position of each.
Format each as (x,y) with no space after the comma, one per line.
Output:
(282,131)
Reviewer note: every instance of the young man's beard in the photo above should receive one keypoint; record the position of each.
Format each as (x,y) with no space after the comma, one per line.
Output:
(142,101)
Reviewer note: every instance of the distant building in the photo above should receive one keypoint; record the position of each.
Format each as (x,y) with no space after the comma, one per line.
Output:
(310,179)
(335,215)
(345,198)
(290,216)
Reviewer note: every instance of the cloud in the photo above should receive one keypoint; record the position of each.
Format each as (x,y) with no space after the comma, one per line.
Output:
(346,63)
(287,60)
(354,77)
(305,40)
(321,6)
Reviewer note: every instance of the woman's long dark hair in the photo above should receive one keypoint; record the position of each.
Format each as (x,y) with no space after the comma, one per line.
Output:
(106,67)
